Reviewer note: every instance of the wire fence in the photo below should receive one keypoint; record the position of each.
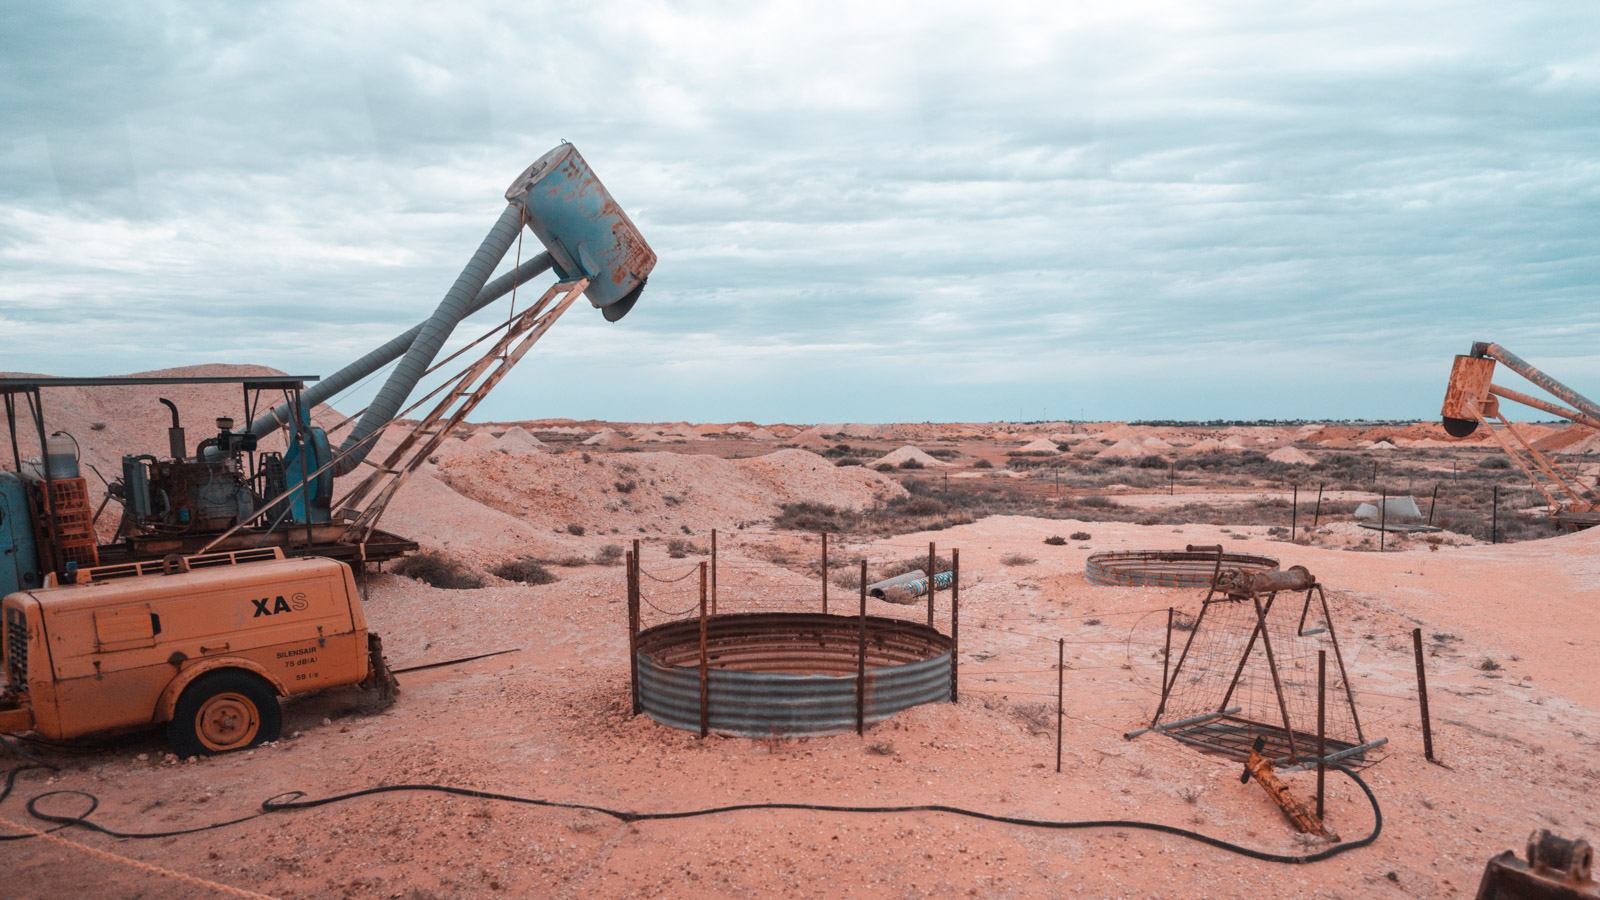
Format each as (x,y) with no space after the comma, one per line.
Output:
(1006,665)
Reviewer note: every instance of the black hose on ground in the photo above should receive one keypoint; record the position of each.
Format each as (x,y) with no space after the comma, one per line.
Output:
(293,800)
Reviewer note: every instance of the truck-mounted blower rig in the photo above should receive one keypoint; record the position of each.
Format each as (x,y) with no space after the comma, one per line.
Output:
(229,583)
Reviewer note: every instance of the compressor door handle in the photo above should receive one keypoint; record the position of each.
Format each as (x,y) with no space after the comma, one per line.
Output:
(221,649)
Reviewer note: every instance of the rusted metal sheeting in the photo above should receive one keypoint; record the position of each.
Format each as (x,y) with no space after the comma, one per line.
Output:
(789,673)
(1167,568)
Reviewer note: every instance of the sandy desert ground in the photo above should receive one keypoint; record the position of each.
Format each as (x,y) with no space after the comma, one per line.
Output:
(1511,634)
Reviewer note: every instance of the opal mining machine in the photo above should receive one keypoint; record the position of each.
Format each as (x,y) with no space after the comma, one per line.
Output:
(1472,399)
(230,580)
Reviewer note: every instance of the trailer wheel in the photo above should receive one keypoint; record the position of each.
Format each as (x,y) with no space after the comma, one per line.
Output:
(222,711)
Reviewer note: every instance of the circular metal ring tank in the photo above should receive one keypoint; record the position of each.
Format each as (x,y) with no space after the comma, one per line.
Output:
(788,673)
(1167,568)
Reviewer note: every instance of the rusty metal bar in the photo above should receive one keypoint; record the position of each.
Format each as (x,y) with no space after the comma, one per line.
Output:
(1434,502)
(1167,687)
(1166,660)
(1383,518)
(1422,696)
(824,573)
(1516,364)
(1294,515)
(933,583)
(1316,517)
(861,658)
(713,571)
(1494,520)
(1322,725)
(1181,723)
(705,695)
(633,630)
(1277,683)
(1551,470)
(1338,657)
(1249,648)
(1061,680)
(1357,750)
(1551,408)
(955,619)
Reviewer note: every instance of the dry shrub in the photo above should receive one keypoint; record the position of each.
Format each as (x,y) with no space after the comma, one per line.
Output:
(610,555)
(678,548)
(1017,559)
(1081,535)
(1036,717)
(527,570)
(1055,540)
(438,570)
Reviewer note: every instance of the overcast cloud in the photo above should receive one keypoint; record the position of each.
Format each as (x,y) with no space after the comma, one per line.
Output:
(863,211)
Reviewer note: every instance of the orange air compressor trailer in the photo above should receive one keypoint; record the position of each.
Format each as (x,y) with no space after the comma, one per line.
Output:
(206,650)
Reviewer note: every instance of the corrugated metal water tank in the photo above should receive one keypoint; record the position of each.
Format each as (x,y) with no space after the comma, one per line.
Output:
(789,673)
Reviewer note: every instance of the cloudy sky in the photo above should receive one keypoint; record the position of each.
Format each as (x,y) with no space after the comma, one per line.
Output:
(863,211)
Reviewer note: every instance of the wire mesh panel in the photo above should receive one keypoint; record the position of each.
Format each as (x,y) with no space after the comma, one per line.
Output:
(1270,675)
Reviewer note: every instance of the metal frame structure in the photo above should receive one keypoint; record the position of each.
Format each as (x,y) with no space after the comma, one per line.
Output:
(1229,729)
(1472,399)
(298,540)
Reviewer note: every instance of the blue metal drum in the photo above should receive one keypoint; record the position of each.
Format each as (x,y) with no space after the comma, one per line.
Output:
(583,228)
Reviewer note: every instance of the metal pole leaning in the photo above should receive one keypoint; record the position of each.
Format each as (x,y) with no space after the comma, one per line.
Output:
(1294,514)
(1422,696)
(1316,517)
(633,630)
(955,620)
(713,571)
(1166,658)
(861,659)
(932,583)
(1383,518)
(705,695)
(1061,670)
(1322,724)
(824,573)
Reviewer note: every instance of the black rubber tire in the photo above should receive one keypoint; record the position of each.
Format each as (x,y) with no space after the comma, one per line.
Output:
(182,731)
